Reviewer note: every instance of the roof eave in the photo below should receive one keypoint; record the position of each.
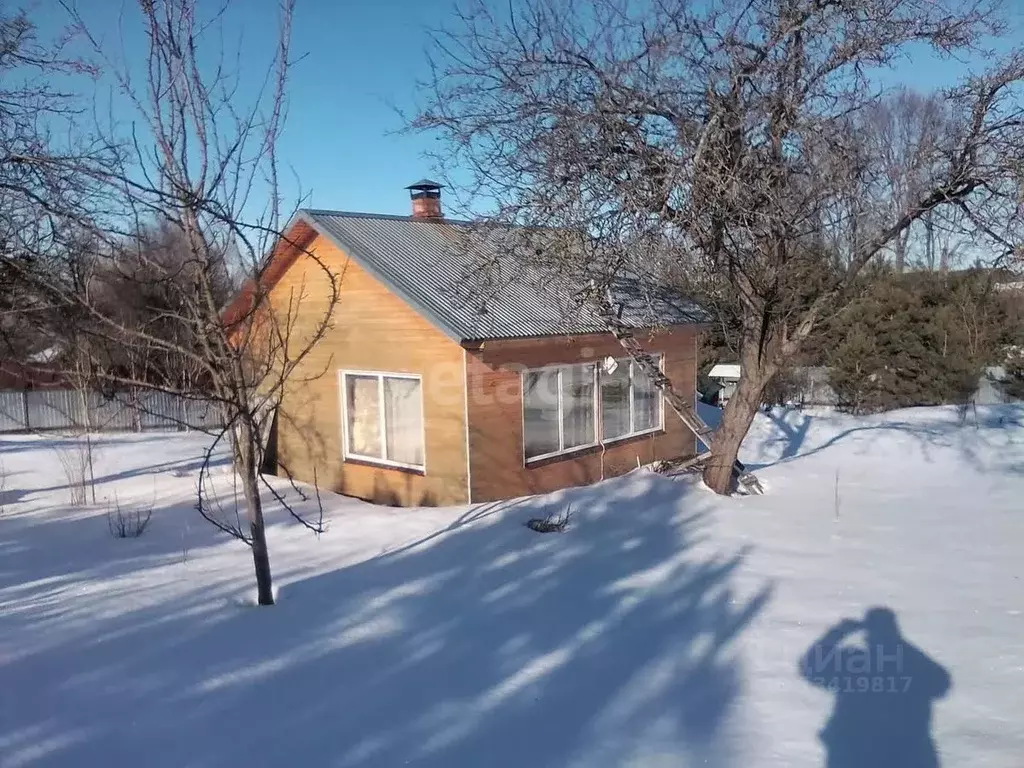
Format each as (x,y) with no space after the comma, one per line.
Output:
(475,341)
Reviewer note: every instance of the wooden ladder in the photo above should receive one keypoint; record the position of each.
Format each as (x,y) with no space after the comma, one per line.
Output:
(683,406)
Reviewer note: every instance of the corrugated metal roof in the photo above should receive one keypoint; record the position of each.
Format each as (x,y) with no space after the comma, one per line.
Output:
(461,279)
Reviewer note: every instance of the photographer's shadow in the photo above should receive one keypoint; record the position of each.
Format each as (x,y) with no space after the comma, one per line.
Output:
(883,687)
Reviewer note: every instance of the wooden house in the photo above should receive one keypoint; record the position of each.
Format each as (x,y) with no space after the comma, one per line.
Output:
(436,385)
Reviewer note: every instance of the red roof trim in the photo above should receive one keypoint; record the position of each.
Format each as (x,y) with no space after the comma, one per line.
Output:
(293,243)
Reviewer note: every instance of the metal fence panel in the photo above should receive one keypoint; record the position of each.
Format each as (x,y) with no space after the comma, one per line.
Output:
(158,410)
(201,414)
(57,409)
(111,414)
(54,409)
(12,411)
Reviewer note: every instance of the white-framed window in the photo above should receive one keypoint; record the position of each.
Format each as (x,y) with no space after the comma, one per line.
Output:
(558,410)
(567,408)
(630,404)
(382,416)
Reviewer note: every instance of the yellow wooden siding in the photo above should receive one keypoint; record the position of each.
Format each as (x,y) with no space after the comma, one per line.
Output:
(372,330)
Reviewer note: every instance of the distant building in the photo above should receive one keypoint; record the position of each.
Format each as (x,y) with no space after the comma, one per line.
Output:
(18,375)
(809,385)
(726,376)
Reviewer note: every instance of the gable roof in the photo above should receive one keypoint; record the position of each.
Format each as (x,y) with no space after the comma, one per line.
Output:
(460,278)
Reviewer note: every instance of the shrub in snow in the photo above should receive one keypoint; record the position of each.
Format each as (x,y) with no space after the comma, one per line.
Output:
(77,460)
(1013,382)
(787,386)
(553,523)
(128,523)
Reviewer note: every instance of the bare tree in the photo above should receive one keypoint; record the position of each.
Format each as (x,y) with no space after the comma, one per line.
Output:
(43,149)
(738,141)
(48,187)
(907,126)
(199,169)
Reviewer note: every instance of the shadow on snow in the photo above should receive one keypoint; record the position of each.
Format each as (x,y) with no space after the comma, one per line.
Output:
(883,688)
(482,644)
(982,426)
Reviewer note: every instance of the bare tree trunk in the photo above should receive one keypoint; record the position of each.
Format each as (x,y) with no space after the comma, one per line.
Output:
(930,241)
(246,466)
(901,251)
(83,401)
(739,413)
(92,469)
(260,554)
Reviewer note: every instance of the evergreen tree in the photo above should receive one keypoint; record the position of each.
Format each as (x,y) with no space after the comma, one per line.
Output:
(916,339)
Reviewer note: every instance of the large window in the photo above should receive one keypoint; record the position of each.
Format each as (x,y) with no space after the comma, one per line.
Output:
(615,403)
(565,407)
(383,415)
(630,404)
(558,410)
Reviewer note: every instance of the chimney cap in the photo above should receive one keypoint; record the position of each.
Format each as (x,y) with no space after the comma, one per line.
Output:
(425,185)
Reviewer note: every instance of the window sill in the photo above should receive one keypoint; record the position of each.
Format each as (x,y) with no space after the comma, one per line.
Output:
(586,450)
(380,464)
(572,453)
(634,436)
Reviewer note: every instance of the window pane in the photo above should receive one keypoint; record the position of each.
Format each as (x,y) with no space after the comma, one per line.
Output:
(615,402)
(578,405)
(540,412)
(646,402)
(363,416)
(403,420)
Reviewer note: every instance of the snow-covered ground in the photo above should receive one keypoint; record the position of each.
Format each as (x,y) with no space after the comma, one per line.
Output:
(664,628)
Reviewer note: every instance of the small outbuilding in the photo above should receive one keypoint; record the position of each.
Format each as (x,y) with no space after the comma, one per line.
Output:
(726,376)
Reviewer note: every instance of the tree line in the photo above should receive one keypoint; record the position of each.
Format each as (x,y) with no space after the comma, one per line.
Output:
(910,339)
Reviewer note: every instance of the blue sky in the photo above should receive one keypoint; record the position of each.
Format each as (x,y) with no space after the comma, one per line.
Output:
(361,59)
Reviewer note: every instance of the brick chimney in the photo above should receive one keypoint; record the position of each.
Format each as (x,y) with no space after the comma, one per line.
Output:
(426,199)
